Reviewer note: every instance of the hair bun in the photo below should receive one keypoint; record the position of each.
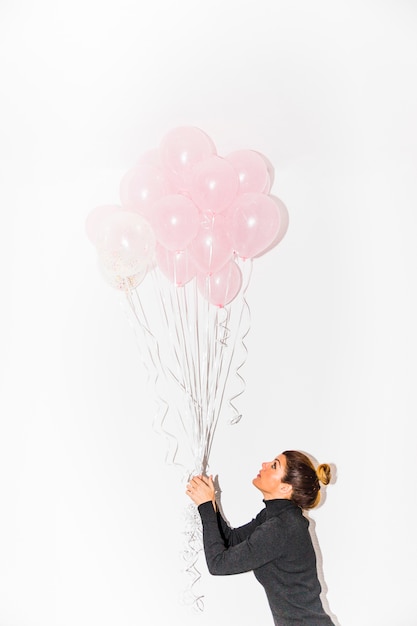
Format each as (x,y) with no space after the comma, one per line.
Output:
(324,473)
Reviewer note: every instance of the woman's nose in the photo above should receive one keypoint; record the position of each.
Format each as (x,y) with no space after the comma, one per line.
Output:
(264,465)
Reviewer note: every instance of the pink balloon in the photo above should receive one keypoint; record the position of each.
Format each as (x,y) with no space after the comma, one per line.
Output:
(223,286)
(215,184)
(176,266)
(181,149)
(212,247)
(283,225)
(125,243)
(252,170)
(95,219)
(271,173)
(175,221)
(254,224)
(141,186)
(150,157)
(268,185)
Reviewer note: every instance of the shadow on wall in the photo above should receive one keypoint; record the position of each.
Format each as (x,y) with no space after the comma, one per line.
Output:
(319,556)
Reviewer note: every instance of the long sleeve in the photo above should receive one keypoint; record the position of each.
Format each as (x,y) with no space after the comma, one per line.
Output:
(277,546)
(262,543)
(233,536)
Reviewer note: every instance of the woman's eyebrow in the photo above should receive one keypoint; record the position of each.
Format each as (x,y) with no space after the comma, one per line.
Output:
(278,461)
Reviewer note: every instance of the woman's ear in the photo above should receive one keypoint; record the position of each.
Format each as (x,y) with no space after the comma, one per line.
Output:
(286,489)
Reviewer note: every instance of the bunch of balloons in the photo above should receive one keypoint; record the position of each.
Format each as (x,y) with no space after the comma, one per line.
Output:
(195,221)
(190,213)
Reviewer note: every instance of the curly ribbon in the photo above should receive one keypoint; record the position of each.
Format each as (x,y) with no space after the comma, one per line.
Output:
(190,356)
(158,372)
(137,315)
(193,545)
(244,315)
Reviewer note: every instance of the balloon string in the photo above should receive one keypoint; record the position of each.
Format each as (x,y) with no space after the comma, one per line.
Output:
(228,341)
(248,265)
(158,424)
(193,535)
(201,349)
(216,384)
(194,542)
(175,317)
(212,371)
(176,322)
(189,365)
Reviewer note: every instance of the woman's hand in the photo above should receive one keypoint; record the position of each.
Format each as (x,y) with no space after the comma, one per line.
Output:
(201,489)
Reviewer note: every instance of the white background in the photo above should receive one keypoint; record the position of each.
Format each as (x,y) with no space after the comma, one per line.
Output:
(90,513)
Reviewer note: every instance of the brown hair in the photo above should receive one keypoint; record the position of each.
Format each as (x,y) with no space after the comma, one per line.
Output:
(305,479)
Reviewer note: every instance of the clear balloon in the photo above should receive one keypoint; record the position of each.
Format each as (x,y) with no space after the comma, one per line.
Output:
(212,247)
(176,266)
(125,243)
(175,220)
(181,149)
(141,186)
(223,286)
(95,219)
(215,184)
(122,283)
(252,170)
(254,224)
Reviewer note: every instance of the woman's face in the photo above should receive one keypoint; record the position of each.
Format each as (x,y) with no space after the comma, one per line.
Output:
(269,479)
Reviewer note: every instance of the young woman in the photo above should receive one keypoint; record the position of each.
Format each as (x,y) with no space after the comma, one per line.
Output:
(276,545)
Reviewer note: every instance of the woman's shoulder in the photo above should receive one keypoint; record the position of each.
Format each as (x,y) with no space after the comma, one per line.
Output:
(279,507)
(286,514)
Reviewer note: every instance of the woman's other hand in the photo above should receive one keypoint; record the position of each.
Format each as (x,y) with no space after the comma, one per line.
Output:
(201,489)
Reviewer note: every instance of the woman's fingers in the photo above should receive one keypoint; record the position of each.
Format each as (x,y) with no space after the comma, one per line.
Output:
(198,485)
(197,481)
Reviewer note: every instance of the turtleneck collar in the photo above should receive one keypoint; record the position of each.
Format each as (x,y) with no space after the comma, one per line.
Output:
(277,506)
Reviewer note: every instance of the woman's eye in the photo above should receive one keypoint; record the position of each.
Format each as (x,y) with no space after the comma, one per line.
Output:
(274,465)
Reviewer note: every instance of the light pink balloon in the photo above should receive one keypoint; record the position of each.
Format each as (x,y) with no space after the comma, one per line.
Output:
(251,169)
(150,157)
(141,186)
(283,225)
(181,149)
(212,247)
(95,218)
(223,286)
(271,172)
(176,266)
(175,221)
(254,224)
(125,243)
(215,184)
(268,185)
